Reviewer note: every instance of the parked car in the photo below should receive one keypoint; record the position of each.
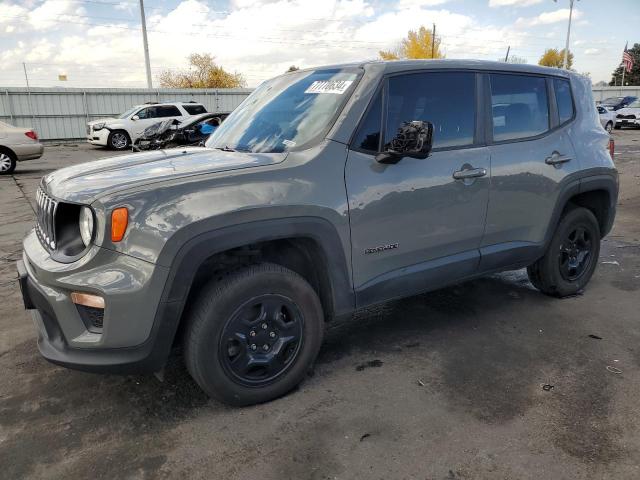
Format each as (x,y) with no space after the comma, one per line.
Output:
(616,103)
(607,118)
(629,116)
(17,145)
(119,133)
(175,133)
(327,191)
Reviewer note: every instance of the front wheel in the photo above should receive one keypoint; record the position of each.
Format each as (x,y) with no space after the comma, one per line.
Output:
(572,255)
(609,127)
(253,335)
(119,140)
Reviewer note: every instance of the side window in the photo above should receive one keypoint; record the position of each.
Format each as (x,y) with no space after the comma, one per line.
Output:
(368,136)
(563,99)
(519,105)
(149,112)
(194,109)
(168,111)
(446,99)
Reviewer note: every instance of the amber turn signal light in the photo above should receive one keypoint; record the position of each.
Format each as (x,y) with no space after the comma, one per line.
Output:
(87,300)
(119,222)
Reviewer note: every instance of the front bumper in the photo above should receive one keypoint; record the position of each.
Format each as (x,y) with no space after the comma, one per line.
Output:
(99,137)
(137,329)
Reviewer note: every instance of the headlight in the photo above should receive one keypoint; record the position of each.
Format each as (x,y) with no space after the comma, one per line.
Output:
(98,126)
(86,225)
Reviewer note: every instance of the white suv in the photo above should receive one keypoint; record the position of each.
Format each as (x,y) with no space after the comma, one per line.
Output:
(119,133)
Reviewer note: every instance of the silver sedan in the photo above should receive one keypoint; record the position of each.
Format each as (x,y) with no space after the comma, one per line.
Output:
(16,145)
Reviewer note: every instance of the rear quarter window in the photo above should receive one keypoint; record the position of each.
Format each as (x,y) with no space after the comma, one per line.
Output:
(564,100)
(194,109)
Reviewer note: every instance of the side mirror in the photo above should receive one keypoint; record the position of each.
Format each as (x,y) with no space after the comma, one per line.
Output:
(135,117)
(414,139)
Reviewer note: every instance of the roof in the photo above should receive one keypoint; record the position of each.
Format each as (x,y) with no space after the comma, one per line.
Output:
(391,66)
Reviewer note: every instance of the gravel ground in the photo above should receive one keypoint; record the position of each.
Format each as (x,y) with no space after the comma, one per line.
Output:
(485,380)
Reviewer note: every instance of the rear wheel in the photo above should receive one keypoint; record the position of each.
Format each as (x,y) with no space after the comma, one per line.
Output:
(7,162)
(119,140)
(571,257)
(253,336)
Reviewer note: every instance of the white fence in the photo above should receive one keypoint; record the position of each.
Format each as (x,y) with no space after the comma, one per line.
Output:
(62,114)
(600,93)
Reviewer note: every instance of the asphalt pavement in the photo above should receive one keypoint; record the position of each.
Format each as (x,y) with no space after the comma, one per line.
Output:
(485,380)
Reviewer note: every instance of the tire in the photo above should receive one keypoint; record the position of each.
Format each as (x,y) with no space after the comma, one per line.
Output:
(572,255)
(617,127)
(238,344)
(7,162)
(119,140)
(609,127)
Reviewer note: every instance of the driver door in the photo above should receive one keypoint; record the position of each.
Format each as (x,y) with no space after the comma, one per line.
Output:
(417,225)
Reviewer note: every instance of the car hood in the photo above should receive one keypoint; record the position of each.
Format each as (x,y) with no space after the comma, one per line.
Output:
(87,182)
(628,111)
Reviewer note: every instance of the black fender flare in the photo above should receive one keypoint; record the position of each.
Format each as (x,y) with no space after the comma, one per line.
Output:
(191,254)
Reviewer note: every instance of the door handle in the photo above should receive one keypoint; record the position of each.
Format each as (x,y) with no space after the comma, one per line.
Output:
(469,173)
(557,159)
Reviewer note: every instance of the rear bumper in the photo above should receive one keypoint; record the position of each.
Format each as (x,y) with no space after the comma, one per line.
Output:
(138,329)
(28,151)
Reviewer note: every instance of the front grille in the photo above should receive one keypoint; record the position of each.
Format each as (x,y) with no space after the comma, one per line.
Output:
(629,117)
(46,211)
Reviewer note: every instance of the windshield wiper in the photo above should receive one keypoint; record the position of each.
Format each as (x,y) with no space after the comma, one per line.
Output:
(227,148)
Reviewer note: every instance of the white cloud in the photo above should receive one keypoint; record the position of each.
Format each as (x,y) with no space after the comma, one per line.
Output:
(259,39)
(513,3)
(592,51)
(546,18)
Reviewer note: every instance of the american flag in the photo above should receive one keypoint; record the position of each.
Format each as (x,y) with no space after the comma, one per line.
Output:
(627,60)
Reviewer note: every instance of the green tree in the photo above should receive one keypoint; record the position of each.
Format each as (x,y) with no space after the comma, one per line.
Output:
(418,44)
(630,78)
(552,57)
(202,73)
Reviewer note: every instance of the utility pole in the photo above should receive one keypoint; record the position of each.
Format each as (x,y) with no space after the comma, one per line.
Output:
(146,45)
(26,77)
(565,62)
(433,42)
(506,57)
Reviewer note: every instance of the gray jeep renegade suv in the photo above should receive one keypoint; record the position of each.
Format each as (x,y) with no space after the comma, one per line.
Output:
(326,191)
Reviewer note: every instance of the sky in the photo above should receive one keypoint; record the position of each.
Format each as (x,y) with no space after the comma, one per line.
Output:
(98,43)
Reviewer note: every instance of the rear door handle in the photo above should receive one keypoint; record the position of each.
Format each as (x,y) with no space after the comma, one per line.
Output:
(469,173)
(557,159)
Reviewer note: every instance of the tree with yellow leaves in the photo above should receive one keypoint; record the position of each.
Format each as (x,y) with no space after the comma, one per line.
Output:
(552,57)
(418,44)
(204,73)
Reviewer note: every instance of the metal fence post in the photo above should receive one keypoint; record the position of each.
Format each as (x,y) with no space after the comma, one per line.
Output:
(9,106)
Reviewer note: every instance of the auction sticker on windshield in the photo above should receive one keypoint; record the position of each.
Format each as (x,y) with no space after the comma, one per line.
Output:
(330,86)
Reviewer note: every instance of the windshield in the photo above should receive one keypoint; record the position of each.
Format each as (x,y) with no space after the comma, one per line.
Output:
(128,112)
(287,111)
(612,100)
(635,104)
